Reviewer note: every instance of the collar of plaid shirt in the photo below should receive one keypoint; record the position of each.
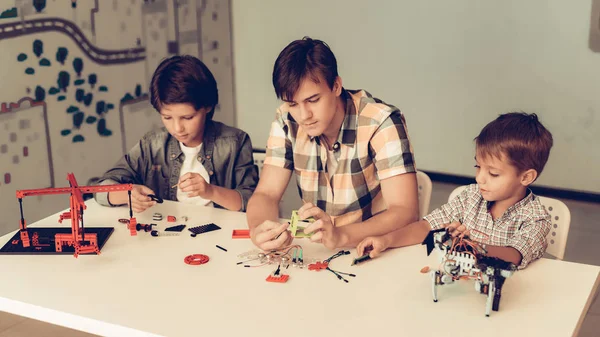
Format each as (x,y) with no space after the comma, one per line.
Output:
(347,134)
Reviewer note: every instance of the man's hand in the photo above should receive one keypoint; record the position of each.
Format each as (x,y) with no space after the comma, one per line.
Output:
(271,235)
(323,228)
(140,201)
(375,245)
(457,229)
(195,185)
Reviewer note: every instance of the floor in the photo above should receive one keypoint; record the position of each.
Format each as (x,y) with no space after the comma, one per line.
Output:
(582,247)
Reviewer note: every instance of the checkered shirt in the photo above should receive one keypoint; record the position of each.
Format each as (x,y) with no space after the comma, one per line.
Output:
(523,226)
(373,145)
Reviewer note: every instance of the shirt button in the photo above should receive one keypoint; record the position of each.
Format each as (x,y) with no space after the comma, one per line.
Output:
(208,157)
(211,173)
(173,156)
(336,146)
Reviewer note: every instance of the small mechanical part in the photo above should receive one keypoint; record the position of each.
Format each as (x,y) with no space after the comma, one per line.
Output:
(204,228)
(146,228)
(157,216)
(155,198)
(196,259)
(221,248)
(157,233)
(177,228)
(124,221)
(360,259)
(193,235)
(425,270)
(171,218)
(318,266)
(240,234)
(278,279)
(184,218)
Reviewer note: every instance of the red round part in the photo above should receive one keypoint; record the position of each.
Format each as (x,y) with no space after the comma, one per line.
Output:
(196,259)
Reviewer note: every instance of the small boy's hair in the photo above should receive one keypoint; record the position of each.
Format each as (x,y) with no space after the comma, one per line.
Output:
(302,58)
(184,79)
(520,137)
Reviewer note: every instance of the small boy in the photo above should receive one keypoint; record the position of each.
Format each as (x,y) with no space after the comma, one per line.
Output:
(500,212)
(193,159)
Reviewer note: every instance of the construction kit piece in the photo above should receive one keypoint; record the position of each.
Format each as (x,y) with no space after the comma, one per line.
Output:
(296,230)
(157,233)
(146,228)
(78,240)
(196,259)
(204,228)
(177,228)
(361,259)
(318,266)
(171,218)
(240,234)
(156,198)
(157,217)
(463,259)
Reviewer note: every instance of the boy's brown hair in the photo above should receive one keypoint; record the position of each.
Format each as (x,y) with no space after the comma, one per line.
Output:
(519,136)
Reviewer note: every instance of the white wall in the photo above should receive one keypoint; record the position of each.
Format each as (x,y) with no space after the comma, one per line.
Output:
(450,66)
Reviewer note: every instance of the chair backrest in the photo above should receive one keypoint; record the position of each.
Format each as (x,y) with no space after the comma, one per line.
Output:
(424,193)
(259,159)
(457,191)
(561,221)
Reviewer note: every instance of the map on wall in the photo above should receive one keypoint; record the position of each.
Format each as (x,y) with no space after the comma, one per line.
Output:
(74,90)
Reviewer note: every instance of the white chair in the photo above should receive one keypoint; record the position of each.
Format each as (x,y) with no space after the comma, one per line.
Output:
(424,193)
(456,192)
(561,221)
(259,160)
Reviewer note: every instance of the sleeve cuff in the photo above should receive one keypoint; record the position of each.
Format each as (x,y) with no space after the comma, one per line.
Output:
(102,198)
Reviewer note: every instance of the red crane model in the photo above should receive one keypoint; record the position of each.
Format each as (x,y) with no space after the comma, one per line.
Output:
(82,242)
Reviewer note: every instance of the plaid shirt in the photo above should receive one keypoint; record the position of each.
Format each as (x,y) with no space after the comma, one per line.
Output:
(373,145)
(523,226)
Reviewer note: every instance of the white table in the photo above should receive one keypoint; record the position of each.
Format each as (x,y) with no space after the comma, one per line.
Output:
(140,286)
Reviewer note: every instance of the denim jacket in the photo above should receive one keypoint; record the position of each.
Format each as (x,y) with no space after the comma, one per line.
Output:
(156,162)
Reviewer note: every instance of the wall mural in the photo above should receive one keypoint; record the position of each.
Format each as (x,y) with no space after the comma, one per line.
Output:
(74,89)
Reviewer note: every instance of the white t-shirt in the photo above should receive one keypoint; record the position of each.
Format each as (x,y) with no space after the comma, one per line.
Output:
(192,164)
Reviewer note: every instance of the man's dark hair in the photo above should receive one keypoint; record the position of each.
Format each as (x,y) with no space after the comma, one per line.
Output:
(301,59)
(520,137)
(184,79)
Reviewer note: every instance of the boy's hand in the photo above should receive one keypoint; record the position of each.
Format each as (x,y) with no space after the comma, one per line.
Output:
(195,185)
(271,235)
(140,201)
(457,229)
(323,228)
(375,245)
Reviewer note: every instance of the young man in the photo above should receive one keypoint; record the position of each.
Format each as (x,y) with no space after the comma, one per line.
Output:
(350,152)
(192,159)
(500,211)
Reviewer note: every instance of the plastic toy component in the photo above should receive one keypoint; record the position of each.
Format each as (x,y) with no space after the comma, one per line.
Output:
(157,217)
(155,198)
(240,234)
(146,228)
(196,259)
(171,218)
(461,260)
(204,228)
(298,231)
(178,228)
(318,266)
(157,233)
(360,259)
(124,221)
(278,279)
(81,241)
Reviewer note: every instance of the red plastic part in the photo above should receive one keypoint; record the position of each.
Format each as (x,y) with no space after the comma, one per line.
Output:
(240,234)
(318,266)
(171,218)
(278,279)
(196,259)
